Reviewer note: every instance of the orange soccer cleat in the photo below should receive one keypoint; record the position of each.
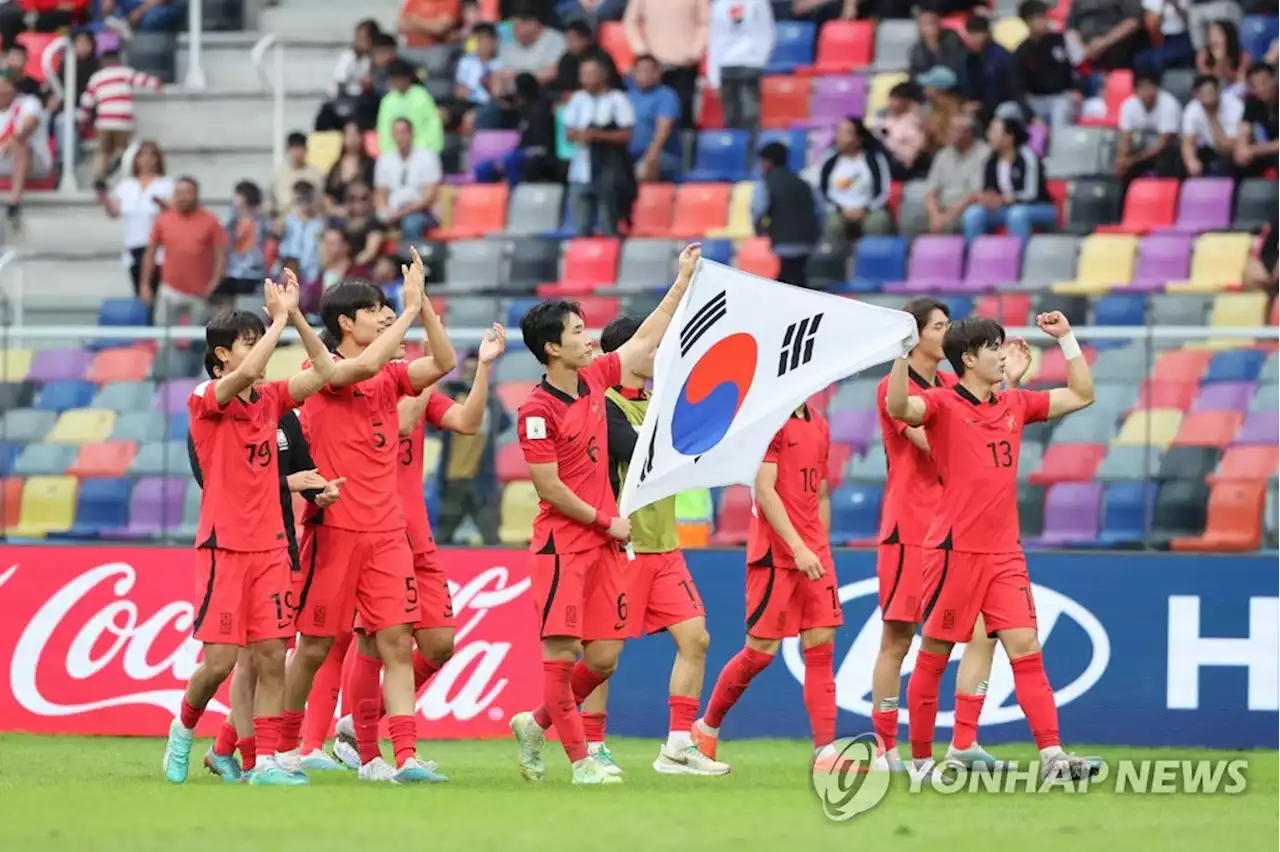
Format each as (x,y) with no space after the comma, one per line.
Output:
(705,742)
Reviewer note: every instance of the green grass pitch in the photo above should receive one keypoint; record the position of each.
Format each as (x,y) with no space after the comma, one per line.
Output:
(91,794)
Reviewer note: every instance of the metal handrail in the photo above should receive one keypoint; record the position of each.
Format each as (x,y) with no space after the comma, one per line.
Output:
(195,79)
(274,80)
(65,88)
(11,306)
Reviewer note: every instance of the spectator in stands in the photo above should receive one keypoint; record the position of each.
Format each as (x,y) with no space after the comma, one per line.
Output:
(1169,18)
(354,165)
(194,246)
(535,49)
(740,41)
(602,184)
(991,85)
(364,231)
(941,104)
(352,77)
(429,28)
(16,60)
(1223,58)
(1260,271)
(901,132)
(1149,122)
(109,99)
(24,149)
(1014,194)
(1044,69)
(1108,33)
(855,179)
(149,16)
(303,230)
(386,274)
(383,57)
(247,231)
(138,200)
(468,469)
(1259,141)
(654,144)
(937,46)
(1203,13)
(955,180)
(675,32)
(580,43)
(295,170)
(474,75)
(409,101)
(336,261)
(407,179)
(534,158)
(1210,125)
(784,209)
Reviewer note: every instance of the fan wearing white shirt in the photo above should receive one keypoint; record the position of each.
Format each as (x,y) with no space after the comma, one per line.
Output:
(600,121)
(406,182)
(24,143)
(1171,18)
(1210,125)
(741,36)
(1150,119)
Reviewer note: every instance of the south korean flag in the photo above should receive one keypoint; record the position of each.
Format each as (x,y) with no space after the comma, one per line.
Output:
(742,353)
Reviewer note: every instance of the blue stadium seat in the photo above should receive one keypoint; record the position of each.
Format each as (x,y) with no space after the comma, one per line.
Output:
(62,395)
(1235,365)
(1115,309)
(722,157)
(517,310)
(797,142)
(1127,512)
(9,451)
(855,511)
(118,312)
(793,48)
(878,259)
(103,506)
(179,424)
(1256,34)
(959,306)
(721,251)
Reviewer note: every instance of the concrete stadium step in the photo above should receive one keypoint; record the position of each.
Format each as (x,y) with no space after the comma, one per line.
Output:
(218,171)
(76,283)
(325,19)
(228,68)
(191,121)
(66,230)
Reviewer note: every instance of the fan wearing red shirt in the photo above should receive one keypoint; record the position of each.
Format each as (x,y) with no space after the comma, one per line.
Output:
(242,555)
(911,498)
(792,589)
(579,587)
(356,555)
(975,564)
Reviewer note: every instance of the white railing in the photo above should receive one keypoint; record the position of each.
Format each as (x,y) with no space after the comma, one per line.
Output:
(64,88)
(195,79)
(14,301)
(272,77)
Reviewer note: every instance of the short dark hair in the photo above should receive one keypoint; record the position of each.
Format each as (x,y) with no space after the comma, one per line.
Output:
(402,68)
(1017,130)
(188,179)
(618,332)
(250,191)
(978,24)
(1029,9)
(967,336)
(224,330)
(371,26)
(1146,75)
(922,309)
(305,191)
(906,91)
(776,154)
(296,140)
(527,86)
(1259,67)
(402,120)
(484,28)
(330,342)
(385,40)
(578,27)
(346,299)
(543,324)
(645,57)
(1205,80)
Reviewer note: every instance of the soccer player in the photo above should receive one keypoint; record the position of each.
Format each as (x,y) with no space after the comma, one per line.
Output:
(791,582)
(974,564)
(661,593)
(911,498)
(358,558)
(578,565)
(242,574)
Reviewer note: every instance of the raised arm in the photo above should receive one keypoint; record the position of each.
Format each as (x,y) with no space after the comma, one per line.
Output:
(899,402)
(239,380)
(1078,393)
(467,418)
(649,334)
(385,346)
(440,358)
(309,381)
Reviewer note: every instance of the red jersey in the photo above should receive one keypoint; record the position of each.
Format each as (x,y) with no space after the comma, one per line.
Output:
(976,446)
(354,432)
(914,489)
(411,498)
(573,432)
(800,450)
(235,445)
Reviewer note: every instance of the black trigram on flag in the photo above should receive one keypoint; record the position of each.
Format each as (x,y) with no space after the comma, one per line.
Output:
(647,467)
(702,321)
(797,344)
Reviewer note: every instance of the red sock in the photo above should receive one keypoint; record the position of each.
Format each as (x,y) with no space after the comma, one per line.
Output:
(922,701)
(404,737)
(583,682)
(885,723)
(323,700)
(266,730)
(593,726)
(561,709)
(1035,697)
(189,716)
(733,680)
(225,744)
(348,666)
(248,748)
(290,730)
(684,712)
(423,671)
(968,709)
(820,693)
(365,691)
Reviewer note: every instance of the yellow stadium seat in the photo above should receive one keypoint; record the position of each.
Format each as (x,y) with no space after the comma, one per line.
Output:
(1106,262)
(444,206)
(48,506)
(1154,426)
(431,449)
(1009,33)
(1234,310)
(739,226)
(285,362)
(519,508)
(15,364)
(878,93)
(1217,263)
(323,149)
(82,426)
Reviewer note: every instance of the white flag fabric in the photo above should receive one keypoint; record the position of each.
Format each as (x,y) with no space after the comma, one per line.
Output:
(742,353)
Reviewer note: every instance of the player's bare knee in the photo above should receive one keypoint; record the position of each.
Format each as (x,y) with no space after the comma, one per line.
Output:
(312,651)
(366,645)
(220,660)
(1020,642)
(268,659)
(768,646)
(896,639)
(436,647)
(564,648)
(692,641)
(817,636)
(245,667)
(395,645)
(602,657)
(935,646)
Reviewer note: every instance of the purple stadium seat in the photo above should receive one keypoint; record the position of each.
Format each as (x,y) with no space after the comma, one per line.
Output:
(1260,427)
(856,428)
(936,265)
(173,394)
(820,142)
(1071,514)
(489,145)
(156,505)
(993,262)
(1204,205)
(1038,138)
(1161,258)
(835,98)
(55,365)
(1224,396)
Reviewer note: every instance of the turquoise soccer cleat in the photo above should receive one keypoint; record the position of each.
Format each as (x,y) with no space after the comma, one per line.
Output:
(269,773)
(415,771)
(177,752)
(225,766)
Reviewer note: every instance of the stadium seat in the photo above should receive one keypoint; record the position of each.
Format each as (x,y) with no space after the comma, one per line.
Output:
(1217,264)
(893,44)
(1271,514)
(1179,309)
(1123,310)
(1118,86)
(10,504)
(157,505)
(55,365)
(1076,152)
(1180,510)
(828,266)
(1008,308)
(722,156)
(15,364)
(126,364)
(324,148)
(1161,258)
(9,451)
(1149,204)
(1235,310)
(1257,32)
(651,214)
(518,509)
(739,225)
(589,262)
(647,264)
(534,260)
(174,394)
(783,101)
(836,97)
(842,45)
(26,425)
(877,260)
(1030,509)
(1259,427)
(106,458)
(533,205)
(433,254)
(855,512)
(17,395)
(732,517)
(1049,258)
(478,210)
(1091,204)
(936,263)
(178,427)
(1175,395)
(1256,203)
(157,458)
(122,312)
(1106,261)
(792,47)
(1247,462)
(756,257)
(1188,463)
(489,145)
(699,208)
(102,507)
(1204,204)
(710,110)
(473,265)
(1069,463)
(1009,33)
(1125,463)
(1127,513)
(1071,515)
(1181,366)
(1156,426)
(44,460)
(58,396)
(721,251)
(1266,398)
(37,43)
(871,466)
(510,463)
(1208,429)
(48,506)
(1233,520)
(1237,365)
(796,140)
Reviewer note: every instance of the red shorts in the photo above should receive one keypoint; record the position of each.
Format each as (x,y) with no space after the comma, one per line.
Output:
(960,586)
(661,591)
(345,572)
(901,572)
(435,601)
(241,597)
(582,594)
(782,602)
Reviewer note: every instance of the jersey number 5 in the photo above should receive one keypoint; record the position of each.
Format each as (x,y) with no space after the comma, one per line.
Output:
(1001,453)
(259,454)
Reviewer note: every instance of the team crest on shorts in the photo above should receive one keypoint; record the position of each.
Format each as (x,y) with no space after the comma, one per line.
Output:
(948,619)
(571,616)
(320,616)
(224,623)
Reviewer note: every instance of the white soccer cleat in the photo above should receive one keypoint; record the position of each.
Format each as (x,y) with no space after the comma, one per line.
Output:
(590,771)
(344,744)
(318,761)
(888,761)
(687,761)
(378,770)
(600,751)
(290,761)
(532,739)
(1063,767)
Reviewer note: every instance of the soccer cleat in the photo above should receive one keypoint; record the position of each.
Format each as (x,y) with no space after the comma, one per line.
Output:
(415,771)
(600,751)
(591,771)
(1063,767)
(532,739)
(177,752)
(225,766)
(827,759)
(344,744)
(269,773)
(888,761)
(377,770)
(687,761)
(318,761)
(705,742)
(290,761)
(973,757)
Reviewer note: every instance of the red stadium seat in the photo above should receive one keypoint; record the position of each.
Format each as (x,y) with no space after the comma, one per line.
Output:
(837,458)
(1053,366)
(613,38)
(108,458)
(10,503)
(36,45)
(598,310)
(734,517)
(1208,429)
(1234,520)
(592,262)
(1150,203)
(1250,462)
(1119,86)
(1181,365)
(652,212)
(843,46)
(895,197)
(756,257)
(700,207)
(711,114)
(1059,189)
(510,463)
(1069,463)
(478,210)
(784,101)
(131,364)
(1010,309)
(1178,395)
